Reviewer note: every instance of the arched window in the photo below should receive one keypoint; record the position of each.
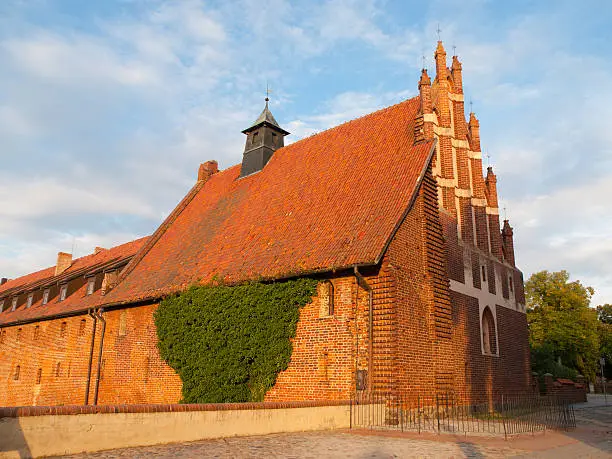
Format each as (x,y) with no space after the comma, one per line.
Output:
(489,340)
(326,298)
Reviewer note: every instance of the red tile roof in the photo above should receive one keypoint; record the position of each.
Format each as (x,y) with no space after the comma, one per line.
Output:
(327,202)
(76,301)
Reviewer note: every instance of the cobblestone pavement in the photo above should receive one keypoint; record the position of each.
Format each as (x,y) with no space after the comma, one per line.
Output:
(592,439)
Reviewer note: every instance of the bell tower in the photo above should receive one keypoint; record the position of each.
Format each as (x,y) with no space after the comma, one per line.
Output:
(264,137)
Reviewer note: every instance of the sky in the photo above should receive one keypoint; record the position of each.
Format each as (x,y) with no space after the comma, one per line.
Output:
(107,108)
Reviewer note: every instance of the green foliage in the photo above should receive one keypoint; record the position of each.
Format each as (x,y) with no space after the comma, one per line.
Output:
(543,361)
(604,314)
(228,344)
(561,323)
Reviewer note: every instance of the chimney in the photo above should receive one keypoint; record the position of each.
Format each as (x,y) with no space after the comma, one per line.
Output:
(97,250)
(508,243)
(3,281)
(64,260)
(207,170)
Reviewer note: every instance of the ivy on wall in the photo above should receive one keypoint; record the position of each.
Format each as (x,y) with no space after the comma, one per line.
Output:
(228,344)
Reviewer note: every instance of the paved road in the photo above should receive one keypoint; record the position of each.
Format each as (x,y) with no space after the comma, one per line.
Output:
(592,439)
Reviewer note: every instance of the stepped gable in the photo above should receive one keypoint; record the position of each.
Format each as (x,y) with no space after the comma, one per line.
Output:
(76,300)
(330,201)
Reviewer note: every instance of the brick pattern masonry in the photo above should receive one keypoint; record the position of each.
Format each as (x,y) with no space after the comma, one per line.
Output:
(411,324)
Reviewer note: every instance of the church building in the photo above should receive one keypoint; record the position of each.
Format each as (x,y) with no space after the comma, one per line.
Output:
(418,289)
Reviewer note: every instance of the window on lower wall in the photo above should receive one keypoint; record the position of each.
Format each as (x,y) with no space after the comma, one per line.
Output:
(82,326)
(325,293)
(36,332)
(38,375)
(123,323)
(63,328)
(58,370)
(489,335)
(17,373)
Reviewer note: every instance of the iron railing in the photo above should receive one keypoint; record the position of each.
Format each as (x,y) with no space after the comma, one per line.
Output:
(451,413)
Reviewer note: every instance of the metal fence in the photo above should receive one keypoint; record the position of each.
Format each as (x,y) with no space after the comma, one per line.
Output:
(450,413)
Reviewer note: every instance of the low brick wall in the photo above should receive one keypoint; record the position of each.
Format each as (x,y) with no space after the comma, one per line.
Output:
(46,431)
(566,389)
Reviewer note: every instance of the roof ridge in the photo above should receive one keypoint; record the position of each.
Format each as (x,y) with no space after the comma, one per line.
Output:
(51,268)
(352,120)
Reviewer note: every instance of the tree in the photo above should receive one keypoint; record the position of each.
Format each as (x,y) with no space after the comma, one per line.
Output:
(604,314)
(561,321)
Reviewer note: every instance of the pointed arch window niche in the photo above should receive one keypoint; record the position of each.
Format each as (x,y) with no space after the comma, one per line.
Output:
(326,298)
(488,332)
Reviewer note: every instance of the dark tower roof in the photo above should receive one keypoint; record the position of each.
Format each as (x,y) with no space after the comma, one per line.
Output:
(265,117)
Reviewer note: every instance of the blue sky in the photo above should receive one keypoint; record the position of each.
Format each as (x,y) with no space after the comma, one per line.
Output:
(107,108)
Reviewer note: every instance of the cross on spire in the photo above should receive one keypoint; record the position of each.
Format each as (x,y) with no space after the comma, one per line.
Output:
(438,30)
(454,50)
(505,215)
(471,110)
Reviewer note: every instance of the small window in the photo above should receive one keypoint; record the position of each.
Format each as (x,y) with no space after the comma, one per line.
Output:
(63,328)
(510,284)
(58,370)
(14,305)
(30,300)
(38,375)
(123,323)
(1,305)
(17,373)
(326,298)
(36,332)
(63,292)
(483,268)
(91,284)
(82,326)
(45,298)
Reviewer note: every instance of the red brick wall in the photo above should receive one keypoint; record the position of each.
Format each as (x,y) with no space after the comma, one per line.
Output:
(132,371)
(327,349)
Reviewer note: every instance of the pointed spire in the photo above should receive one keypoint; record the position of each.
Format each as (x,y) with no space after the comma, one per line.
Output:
(440,57)
(456,75)
(424,78)
(264,137)
(491,188)
(508,243)
(474,132)
(425,92)
(265,117)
